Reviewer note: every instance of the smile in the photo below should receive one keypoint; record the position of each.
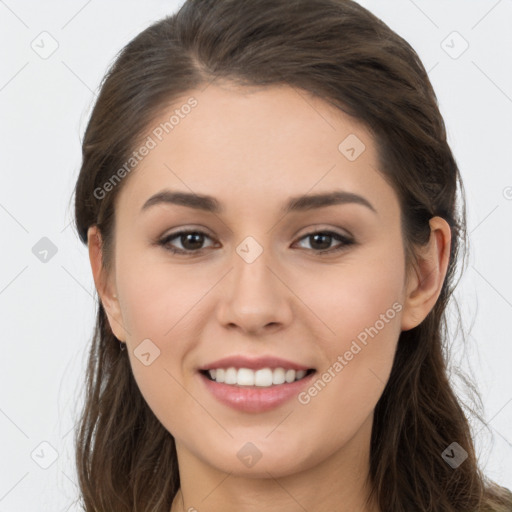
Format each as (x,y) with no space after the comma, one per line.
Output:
(263,377)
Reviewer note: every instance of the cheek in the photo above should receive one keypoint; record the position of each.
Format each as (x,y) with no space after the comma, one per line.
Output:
(361,305)
(156,308)
(160,307)
(155,296)
(356,294)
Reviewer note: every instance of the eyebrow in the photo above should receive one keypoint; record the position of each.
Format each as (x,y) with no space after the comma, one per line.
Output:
(294,204)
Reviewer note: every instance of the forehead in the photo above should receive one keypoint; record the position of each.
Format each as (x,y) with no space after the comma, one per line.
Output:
(236,142)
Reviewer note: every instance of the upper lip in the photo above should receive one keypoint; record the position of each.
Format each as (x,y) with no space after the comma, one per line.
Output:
(254,363)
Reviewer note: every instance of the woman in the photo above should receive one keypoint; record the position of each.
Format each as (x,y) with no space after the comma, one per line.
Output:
(270,206)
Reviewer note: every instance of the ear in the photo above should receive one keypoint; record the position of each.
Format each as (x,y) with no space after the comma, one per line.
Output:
(106,290)
(426,278)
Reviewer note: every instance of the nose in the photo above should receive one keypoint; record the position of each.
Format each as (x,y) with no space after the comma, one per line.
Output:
(255,298)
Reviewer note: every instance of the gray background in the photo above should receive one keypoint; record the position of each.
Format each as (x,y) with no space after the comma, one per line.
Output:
(47,307)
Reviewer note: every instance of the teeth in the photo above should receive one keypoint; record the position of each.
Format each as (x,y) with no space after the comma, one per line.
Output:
(262,378)
(231,376)
(278,376)
(290,375)
(265,377)
(245,377)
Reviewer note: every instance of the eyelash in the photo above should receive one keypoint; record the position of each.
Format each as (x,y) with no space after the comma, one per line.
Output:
(165,242)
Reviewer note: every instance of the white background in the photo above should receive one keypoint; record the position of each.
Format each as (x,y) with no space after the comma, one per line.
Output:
(47,309)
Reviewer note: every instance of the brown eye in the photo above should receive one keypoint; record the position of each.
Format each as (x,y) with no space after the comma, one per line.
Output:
(320,241)
(190,241)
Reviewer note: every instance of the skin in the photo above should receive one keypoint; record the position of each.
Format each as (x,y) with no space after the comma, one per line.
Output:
(291,302)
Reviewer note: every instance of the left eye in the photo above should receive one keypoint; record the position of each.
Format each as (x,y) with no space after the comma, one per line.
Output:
(192,241)
(324,238)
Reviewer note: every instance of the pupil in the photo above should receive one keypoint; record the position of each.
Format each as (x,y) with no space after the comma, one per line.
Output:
(325,245)
(187,238)
(195,240)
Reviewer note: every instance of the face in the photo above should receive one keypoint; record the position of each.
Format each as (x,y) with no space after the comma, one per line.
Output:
(317,288)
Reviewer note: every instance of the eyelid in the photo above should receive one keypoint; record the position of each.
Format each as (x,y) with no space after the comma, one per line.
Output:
(323,228)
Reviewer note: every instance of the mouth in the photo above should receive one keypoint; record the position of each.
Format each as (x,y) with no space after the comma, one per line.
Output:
(260,378)
(255,390)
(254,384)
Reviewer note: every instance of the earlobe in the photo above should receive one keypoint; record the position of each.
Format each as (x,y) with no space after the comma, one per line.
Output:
(103,285)
(427,277)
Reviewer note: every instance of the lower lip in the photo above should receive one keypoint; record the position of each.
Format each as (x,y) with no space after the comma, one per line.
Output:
(253,398)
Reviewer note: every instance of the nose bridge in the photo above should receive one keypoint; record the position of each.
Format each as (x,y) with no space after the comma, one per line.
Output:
(254,297)
(251,274)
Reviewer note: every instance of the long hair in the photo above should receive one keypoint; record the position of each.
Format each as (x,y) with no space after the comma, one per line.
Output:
(338,51)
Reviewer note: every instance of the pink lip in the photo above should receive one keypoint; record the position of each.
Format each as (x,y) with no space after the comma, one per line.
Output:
(254,363)
(252,398)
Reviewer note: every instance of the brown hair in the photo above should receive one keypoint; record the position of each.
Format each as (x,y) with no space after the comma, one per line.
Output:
(340,52)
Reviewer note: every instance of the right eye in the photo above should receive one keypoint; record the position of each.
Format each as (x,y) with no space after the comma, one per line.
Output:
(190,240)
